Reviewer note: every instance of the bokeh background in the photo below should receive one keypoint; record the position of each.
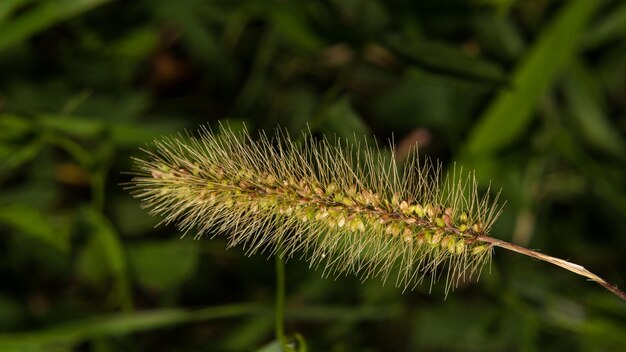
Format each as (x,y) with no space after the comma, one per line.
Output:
(531,94)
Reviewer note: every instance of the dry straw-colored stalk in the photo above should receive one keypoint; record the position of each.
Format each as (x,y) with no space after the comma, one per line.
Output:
(344,208)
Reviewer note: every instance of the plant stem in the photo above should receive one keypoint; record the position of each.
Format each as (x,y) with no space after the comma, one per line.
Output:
(280,301)
(575,268)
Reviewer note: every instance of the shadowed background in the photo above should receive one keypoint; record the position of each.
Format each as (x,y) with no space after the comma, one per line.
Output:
(531,94)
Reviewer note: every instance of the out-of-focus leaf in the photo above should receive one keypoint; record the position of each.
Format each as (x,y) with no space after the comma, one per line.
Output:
(512,109)
(429,101)
(368,18)
(249,333)
(444,58)
(611,68)
(138,133)
(136,45)
(40,17)
(112,251)
(23,96)
(606,181)
(455,327)
(499,36)
(113,109)
(129,217)
(123,134)
(17,156)
(185,14)
(341,120)
(571,317)
(40,192)
(12,312)
(588,113)
(273,346)
(8,6)
(84,157)
(611,27)
(325,313)
(32,222)
(254,87)
(503,6)
(91,263)
(13,127)
(118,325)
(296,104)
(82,127)
(290,25)
(163,265)
(564,186)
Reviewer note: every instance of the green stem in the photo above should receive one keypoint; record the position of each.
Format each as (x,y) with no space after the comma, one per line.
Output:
(280,301)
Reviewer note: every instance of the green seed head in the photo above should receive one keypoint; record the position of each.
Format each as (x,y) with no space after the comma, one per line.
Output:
(365,216)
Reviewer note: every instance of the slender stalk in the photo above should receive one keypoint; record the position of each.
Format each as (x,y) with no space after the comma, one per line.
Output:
(280,302)
(575,268)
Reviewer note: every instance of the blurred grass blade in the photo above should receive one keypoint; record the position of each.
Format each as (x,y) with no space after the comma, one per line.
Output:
(512,109)
(612,27)
(503,6)
(14,127)
(118,325)
(273,346)
(587,111)
(151,271)
(606,181)
(293,27)
(79,126)
(448,59)
(8,6)
(343,313)
(123,133)
(499,36)
(15,157)
(250,332)
(31,222)
(113,253)
(202,43)
(341,119)
(45,14)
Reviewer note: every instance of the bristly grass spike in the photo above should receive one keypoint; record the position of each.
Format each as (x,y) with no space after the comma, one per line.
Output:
(343,208)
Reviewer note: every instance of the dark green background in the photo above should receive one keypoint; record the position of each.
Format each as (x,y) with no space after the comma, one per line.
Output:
(531,94)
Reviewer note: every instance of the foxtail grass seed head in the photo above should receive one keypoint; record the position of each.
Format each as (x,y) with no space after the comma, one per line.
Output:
(343,207)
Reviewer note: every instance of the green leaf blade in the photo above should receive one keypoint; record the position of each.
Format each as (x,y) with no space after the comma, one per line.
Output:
(512,110)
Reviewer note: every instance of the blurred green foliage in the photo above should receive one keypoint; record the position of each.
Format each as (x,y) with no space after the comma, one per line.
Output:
(529,93)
